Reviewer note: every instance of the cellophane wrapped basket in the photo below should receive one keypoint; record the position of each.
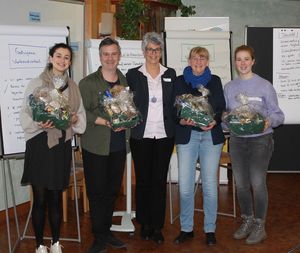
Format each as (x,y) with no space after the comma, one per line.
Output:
(120,108)
(195,108)
(50,104)
(244,120)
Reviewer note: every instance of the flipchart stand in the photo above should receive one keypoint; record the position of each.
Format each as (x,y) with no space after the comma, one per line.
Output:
(128,215)
(296,248)
(78,238)
(11,248)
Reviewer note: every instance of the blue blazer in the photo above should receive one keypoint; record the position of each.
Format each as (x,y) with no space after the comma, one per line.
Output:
(139,85)
(217,101)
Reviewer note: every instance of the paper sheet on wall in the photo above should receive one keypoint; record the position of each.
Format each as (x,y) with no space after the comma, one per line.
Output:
(286,71)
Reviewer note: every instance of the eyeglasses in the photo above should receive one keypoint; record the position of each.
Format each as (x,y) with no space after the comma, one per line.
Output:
(153,50)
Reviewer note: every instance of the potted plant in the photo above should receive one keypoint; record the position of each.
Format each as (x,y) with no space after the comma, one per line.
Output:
(131,17)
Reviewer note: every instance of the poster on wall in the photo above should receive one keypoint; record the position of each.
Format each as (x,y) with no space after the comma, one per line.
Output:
(132,55)
(286,68)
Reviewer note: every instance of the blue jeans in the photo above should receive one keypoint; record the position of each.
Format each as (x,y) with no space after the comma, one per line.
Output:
(250,159)
(199,147)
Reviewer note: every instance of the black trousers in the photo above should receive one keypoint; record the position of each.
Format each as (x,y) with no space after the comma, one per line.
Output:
(103,176)
(151,162)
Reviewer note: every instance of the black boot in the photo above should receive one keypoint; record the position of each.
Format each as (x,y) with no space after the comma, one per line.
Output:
(146,232)
(157,236)
(183,236)
(211,239)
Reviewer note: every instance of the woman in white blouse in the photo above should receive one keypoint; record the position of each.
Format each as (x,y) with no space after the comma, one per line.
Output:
(152,141)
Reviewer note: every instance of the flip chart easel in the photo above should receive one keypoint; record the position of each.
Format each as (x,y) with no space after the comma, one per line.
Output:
(128,215)
(23,56)
(11,248)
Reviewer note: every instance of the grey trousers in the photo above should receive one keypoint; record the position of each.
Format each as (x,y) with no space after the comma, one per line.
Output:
(250,159)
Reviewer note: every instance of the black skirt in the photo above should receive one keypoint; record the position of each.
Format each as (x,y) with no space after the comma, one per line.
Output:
(44,167)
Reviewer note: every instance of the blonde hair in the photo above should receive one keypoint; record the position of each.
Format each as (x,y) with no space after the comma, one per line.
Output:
(201,51)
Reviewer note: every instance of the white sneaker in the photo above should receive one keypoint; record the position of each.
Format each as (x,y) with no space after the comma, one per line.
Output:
(55,248)
(41,249)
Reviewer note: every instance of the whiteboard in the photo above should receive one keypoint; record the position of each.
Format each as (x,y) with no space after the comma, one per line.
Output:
(132,55)
(286,71)
(179,44)
(23,56)
(197,23)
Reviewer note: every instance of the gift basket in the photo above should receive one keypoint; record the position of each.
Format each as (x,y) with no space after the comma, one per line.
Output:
(118,104)
(244,120)
(50,104)
(195,108)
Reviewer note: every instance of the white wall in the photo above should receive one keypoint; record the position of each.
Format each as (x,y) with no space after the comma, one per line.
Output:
(16,12)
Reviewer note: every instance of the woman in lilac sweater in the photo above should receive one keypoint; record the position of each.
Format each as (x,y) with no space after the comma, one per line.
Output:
(250,154)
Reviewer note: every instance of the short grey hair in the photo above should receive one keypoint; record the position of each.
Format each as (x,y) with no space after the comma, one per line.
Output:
(152,37)
(108,41)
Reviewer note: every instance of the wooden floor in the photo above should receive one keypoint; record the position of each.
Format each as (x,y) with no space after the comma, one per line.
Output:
(283,226)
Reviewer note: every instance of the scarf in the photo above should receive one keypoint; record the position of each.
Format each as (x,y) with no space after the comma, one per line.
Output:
(196,81)
(54,134)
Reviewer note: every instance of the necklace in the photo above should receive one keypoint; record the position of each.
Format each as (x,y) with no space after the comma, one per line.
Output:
(153,99)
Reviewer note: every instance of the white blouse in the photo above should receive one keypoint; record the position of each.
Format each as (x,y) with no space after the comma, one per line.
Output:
(155,127)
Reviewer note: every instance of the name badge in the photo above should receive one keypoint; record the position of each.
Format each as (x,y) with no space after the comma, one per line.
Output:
(167,80)
(255,99)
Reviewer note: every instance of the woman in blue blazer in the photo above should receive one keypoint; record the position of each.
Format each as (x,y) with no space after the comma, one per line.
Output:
(199,143)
